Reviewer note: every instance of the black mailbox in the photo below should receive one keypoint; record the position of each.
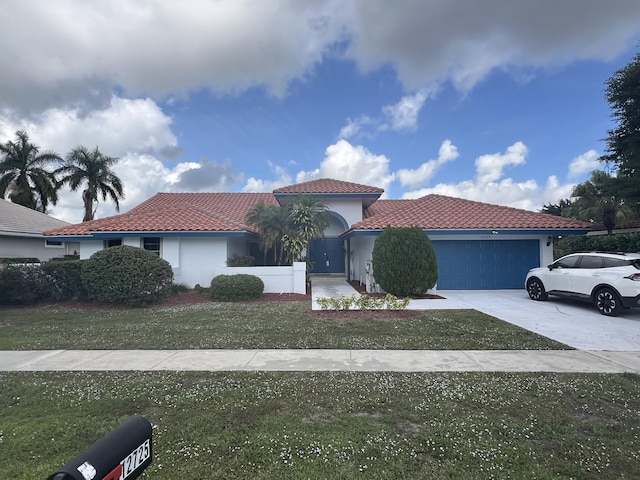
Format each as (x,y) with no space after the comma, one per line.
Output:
(123,453)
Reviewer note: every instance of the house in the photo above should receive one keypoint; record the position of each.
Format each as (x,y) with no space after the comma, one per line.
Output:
(21,234)
(478,245)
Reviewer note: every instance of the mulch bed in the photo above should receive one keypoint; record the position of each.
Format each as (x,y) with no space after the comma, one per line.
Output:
(362,288)
(192,297)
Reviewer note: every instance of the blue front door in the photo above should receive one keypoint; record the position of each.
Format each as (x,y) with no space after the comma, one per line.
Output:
(327,255)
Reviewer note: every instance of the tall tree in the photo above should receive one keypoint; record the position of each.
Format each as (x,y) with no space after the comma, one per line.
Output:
(623,142)
(556,209)
(93,169)
(595,202)
(24,173)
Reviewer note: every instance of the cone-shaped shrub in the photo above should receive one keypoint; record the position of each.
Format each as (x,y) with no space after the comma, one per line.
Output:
(404,262)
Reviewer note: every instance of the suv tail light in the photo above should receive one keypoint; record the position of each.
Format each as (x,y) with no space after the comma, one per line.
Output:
(634,276)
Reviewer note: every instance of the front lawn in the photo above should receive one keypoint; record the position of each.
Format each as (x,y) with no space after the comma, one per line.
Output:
(256,425)
(260,325)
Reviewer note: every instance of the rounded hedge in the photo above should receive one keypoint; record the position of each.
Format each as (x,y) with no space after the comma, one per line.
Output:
(126,275)
(236,288)
(25,285)
(404,262)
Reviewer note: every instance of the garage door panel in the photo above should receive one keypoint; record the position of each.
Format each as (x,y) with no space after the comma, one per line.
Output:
(484,264)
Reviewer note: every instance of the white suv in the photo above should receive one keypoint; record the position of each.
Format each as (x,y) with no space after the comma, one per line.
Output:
(610,280)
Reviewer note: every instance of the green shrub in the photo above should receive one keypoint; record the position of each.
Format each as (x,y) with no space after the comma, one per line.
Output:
(620,242)
(241,261)
(25,285)
(236,288)
(14,260)
(404,262)
(126,275)
(66,275)
(363,302)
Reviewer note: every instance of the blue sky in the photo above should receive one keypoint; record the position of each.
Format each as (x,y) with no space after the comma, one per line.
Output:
(496,101)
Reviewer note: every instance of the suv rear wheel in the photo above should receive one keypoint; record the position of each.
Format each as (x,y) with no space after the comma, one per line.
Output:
(607,302)
(536,290)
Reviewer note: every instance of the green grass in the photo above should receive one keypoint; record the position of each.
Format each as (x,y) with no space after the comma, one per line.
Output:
(255,325)
(253,425)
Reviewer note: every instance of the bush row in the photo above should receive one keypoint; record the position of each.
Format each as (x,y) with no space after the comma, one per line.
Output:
(620,242)
(121,275)
(32,283)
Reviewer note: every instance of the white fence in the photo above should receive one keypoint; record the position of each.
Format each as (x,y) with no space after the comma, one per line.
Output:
(289,279)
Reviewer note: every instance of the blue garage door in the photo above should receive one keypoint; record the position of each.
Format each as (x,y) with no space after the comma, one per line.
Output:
(484,264)
(327,255)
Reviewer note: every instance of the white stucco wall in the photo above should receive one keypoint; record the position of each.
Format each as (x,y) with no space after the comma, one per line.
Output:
(199,259)
(18,246)
(350,210)
(287,279)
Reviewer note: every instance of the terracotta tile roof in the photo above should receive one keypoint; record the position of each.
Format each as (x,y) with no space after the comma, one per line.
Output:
(327,186)
(381,207)
(178,212)
(442,212)
(15,218)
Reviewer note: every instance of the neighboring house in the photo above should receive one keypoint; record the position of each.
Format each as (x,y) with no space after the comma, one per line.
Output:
(478,246)
(21,234)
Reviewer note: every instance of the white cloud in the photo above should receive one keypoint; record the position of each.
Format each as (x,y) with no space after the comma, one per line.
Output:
(463,41)
(489,186)
(489,167)
(122,127)
(413,178)
(142,176)
(403,116)
(399,117)
(75,50)
(255,185)
(350,163)
(354,127)
(584,163)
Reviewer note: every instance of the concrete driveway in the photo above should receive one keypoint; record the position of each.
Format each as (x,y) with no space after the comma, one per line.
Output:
(576,324)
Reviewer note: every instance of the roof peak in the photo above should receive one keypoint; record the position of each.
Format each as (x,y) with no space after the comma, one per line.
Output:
(328,186)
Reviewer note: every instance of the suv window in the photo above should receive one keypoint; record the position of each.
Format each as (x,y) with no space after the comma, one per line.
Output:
(616,262)
(591,261)
(568,262)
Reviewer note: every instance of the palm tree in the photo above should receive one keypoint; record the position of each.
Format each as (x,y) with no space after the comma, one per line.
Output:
(289,227)
(272,223)
(91,167)
(24,176)
(597,202)
(308,218)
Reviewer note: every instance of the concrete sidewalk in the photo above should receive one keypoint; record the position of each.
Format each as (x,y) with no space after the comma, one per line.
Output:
(575,361)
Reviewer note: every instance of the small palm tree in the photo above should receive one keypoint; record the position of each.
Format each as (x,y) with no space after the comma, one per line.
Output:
(24,175)
(272,223)
(308,217)
(93,169)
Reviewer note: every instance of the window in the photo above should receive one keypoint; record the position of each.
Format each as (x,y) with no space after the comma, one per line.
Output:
(616,262)
(567,262)
(112,242)
(152,244)
(48,243)
(591,261)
